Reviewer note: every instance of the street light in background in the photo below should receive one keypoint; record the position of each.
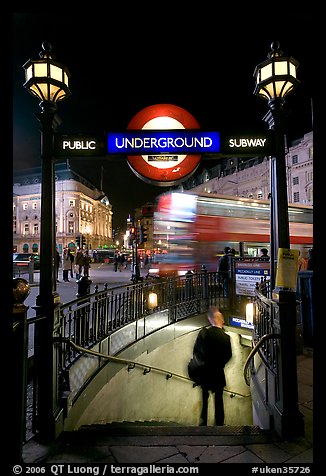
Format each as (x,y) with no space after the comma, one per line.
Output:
(275,79)
(47,80)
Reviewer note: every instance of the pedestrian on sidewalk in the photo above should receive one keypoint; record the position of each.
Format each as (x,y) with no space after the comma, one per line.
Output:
(116,261)
(121,261)
(72,260)
(223,267)
(79,263)
(87,263)
(66,265)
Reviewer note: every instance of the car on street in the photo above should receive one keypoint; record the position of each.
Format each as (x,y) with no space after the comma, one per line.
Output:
(22,260)
(103,256)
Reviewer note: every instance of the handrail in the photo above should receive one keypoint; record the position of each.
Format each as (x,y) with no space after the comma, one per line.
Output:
(132,364)
(271,335)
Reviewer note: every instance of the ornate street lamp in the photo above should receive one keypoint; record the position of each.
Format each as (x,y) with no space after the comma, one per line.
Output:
(275,79)
(47,80)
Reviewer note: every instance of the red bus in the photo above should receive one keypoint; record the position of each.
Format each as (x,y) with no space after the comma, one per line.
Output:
(192,230)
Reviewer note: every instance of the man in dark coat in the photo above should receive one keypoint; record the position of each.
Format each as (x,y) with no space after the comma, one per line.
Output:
(213,346)
(223,268)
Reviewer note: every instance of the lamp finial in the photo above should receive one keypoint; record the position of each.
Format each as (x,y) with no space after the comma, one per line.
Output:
(276,50)
(46,50)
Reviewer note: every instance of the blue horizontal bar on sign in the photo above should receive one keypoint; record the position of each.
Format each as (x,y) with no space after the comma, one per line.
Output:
(237,322)
(153,142)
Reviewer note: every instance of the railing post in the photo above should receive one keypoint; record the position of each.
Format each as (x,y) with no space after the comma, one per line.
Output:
(189,285)
(31,271)
(171,299)
(231,282)
(288,419)
(304,294)
(18,391)
(204,307)
(82,318)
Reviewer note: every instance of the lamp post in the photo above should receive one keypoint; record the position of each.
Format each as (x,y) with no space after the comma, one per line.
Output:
(47,80)
(275,79)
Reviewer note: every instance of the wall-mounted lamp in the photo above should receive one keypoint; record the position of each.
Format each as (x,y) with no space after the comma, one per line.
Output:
(152,300)
(250,312)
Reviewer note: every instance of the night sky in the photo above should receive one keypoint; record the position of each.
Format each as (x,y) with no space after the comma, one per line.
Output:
(123,59)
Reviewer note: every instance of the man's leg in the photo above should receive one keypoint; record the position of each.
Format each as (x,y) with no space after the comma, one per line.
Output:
(219,406)
(204,408)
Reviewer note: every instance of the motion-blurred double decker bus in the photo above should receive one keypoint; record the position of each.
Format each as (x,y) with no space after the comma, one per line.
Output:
(191,230)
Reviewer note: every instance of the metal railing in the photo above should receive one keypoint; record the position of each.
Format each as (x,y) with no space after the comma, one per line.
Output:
(256,349)
(147,368)
(265,325)
(90,319)
(274,374)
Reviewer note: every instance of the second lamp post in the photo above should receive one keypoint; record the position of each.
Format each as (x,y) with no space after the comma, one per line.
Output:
(47,80)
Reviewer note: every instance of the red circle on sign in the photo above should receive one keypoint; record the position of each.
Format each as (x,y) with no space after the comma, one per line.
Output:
(163,172)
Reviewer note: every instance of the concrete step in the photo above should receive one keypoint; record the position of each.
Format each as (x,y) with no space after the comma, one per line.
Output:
(135,433)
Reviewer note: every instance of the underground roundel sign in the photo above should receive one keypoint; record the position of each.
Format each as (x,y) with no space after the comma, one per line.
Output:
(163,129)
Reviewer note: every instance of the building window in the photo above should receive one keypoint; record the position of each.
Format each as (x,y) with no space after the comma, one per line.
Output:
(71,227)
(309,176)
(25,206)
(72,203)
(296,197)
(34,206)
(35,229)
(295,180)
(311,152)
(310,195)
(294,159)
(26,229)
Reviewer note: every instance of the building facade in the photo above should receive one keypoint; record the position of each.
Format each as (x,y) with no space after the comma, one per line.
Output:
(250,178)
(83,213)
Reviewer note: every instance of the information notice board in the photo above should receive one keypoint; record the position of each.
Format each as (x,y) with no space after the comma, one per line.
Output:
(248,273)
